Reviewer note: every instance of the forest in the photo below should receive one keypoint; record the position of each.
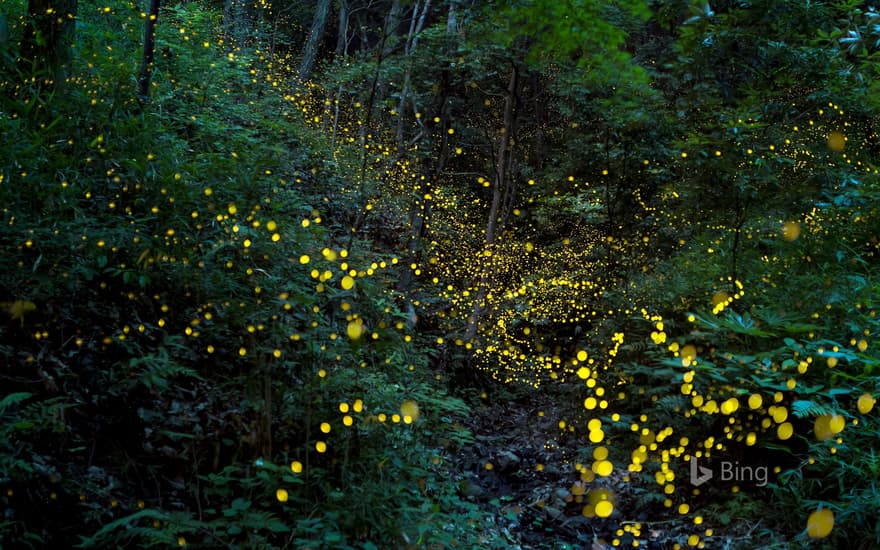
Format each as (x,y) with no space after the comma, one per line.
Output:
(404,274)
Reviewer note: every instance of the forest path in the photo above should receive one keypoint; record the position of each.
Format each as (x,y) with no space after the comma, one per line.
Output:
(533,471)
(521,469)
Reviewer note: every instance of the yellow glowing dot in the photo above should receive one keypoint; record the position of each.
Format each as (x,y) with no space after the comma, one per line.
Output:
(791,231)
(281,495)
(820,523)
(242,351)
(321,447)
(325,427)
(296,467)
(304,259)
(232,209)
(822,428)
(347,283)
(410,408)
(355,329)
(755,401)
(603,508)
(866,403)
(785,431)
(603,468)
(836,141)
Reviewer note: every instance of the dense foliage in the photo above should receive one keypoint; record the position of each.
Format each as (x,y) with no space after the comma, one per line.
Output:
(439,274)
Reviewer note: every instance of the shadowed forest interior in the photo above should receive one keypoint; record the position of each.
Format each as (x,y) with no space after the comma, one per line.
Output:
(439,274)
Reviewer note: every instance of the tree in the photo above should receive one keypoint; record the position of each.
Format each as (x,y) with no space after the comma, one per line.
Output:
(48,37)
(310,51)
(146,69)
(238,22)
(535,33)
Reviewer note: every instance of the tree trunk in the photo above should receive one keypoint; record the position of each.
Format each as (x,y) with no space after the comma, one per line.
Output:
(390,30)
(342,32)
(238,23)
(48,36)
(147,60)
(412,40)
(420,209)
(228,23)
(502,160)
(502,190)
(392,22)
(540,116)
(310,51)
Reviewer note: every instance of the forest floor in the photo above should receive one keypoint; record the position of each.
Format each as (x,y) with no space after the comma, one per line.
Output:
(524,477)
(531,482)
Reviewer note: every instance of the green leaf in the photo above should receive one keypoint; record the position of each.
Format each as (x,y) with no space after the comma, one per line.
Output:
(12,399)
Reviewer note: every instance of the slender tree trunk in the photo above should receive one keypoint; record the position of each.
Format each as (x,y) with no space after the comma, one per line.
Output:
(342,32)
(392,22)
(420,210)
(364,132)
(149,54)
(501,188)
(238,23)
(451,27)
(341,53)
(331,113)
(48,37)
(540,116)
(412,39)
(502,160)
(390,31)
(310,51)
(416,24)
(228,23)
(274,39)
